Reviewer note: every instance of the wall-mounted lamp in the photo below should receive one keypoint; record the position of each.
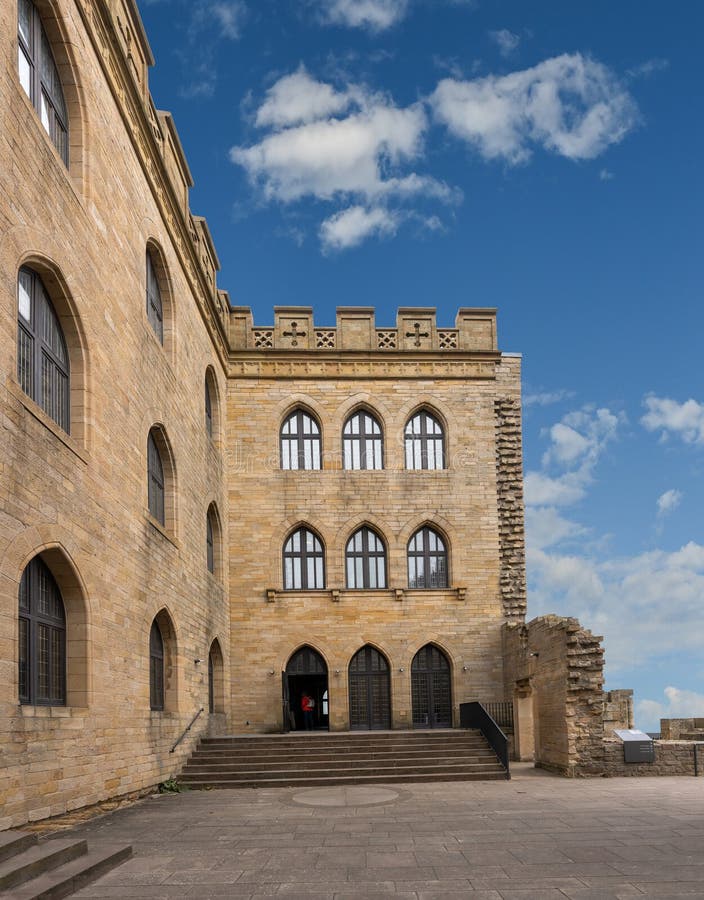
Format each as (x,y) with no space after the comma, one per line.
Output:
(402,669)
(465,668)
(337,671)
(197,661)
(271,672)
(534,654)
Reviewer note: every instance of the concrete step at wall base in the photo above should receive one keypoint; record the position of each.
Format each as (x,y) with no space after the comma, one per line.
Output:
(53,868)
(348,758)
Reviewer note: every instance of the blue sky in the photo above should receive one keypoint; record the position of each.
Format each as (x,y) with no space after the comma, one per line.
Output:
(542,157)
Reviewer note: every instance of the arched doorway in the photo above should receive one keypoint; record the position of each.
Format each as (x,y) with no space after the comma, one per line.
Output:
(306,673)
(370,694)
(430,689)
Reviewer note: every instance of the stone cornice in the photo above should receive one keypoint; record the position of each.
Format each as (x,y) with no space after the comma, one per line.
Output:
(145,133)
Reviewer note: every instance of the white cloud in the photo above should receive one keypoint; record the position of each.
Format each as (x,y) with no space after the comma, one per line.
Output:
(350,227)
(226,16)
(545,527)
(376,15)
(669,501)
(542,490)
(679,704)
(505,40)
(297,99)
(606,175)
(545,398)
(649,67)
(686,420)
(570,105)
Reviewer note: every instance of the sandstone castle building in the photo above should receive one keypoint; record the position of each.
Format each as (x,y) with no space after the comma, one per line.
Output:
(201,513)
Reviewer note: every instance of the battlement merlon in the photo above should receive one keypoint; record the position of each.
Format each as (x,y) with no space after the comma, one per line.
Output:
(355,330)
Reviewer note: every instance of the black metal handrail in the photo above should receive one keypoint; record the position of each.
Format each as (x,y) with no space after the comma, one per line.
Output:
(187,729)
(473,715)
(501,711)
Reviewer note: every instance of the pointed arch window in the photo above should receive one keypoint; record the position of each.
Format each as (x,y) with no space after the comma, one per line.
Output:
(42,356)
(424,442)
(155,476)
(427,560)
(365,559)
(39,76)
(210,542)
(155,307)
(304,561)
(42,638)
(362,442)
(156,667)
(208,410)
(300,442)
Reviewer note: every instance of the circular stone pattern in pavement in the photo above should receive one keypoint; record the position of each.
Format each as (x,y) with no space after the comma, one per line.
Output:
(345,796)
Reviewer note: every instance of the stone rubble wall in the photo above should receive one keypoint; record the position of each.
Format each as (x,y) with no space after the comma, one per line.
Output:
(509,484)
(671,758)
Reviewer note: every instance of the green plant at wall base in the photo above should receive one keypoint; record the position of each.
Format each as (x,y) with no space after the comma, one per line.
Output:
(170,786)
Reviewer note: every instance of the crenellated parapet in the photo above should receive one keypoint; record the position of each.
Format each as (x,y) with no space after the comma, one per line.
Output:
(355,329)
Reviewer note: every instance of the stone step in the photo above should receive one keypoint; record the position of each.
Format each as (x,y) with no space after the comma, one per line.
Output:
(217,759)
(189,777)
(196,765)
(37,860)
(322,781)
(14,842)
(351,747)
(75,875)
(322,739)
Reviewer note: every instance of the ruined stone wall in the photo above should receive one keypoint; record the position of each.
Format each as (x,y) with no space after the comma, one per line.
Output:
(671,758)
(618,711)
(688,729)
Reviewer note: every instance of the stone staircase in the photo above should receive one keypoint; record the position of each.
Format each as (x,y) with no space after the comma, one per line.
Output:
(323,758)
(53,868)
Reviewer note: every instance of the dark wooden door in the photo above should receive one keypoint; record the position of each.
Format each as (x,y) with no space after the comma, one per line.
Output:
(370,693)
(430,689)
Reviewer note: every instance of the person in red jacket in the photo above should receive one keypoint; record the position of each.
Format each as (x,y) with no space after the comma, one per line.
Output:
(307,705)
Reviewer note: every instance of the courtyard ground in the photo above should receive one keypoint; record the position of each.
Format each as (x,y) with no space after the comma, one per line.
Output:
(536,836)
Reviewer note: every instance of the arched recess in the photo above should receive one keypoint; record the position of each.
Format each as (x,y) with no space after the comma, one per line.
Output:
(155,262)
(78,664)
(431,688)
(71,324)
(216,679)
(213,416)
(67,51)
(370,690)
(159,437)
(168,694)
(214,541)
(306,673)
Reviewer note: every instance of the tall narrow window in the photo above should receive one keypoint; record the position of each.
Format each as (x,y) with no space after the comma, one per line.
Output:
(365,557)
(210,542)
(156,667)
(155,476)
(427,560)
(42,638)
(304,562)
(362,443)
(42,357)
(300,442)
(155,309)
(39,76)
(425,442)
(208,410)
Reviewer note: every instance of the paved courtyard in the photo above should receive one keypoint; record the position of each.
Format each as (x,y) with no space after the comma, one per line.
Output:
(536,836)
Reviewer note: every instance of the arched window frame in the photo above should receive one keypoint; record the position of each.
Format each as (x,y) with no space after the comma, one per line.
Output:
(42,638)
(300,440)
(156,668)
(156,480)
(362,442)
(303,561)
(39,76)
(424,441)
(427,560)
(43,366)
(208,410)
(216,679)
(365,560)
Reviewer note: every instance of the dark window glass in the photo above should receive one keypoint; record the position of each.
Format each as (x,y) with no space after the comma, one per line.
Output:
(366,560)
(208,410)
(42,357)
(362,443)
(39,76)
(425,442)
(155,476)
(427,560)
(300,442)
(210,542)
(211,683)
(155,312)
(42,638)
(304,562)
(156,668)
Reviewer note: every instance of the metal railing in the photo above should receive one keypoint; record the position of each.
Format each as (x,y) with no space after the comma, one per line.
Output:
(501,711)
(473,715)
(187,729)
